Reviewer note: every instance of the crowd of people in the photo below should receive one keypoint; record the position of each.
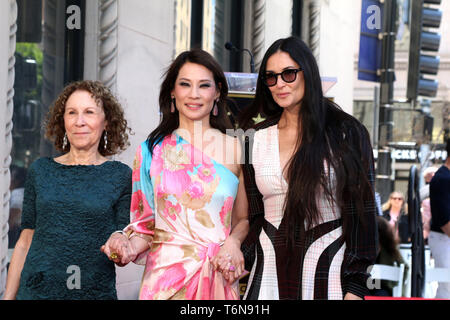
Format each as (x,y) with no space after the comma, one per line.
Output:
(200,208)
(394,229)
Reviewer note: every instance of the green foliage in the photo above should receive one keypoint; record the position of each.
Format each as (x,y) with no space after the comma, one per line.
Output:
(32,51)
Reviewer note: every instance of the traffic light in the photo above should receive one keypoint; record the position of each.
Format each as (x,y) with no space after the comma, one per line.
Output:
(25,73)
(424,21)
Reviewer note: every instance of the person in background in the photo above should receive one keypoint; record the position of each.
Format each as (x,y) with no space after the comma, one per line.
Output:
(428,174)
(73,202)
(395,212)
(378,203)
(309,186)
(388,254)
(439,237)
(18,175)
(188,217)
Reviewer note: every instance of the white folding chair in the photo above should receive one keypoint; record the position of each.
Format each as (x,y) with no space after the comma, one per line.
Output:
(405,251)
(391,273)
(437,274)
(432,277)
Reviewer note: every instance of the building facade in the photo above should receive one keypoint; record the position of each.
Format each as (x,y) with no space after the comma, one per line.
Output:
(128,44)
(409,145)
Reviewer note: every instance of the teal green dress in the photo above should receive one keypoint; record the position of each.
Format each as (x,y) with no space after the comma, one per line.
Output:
(73,211)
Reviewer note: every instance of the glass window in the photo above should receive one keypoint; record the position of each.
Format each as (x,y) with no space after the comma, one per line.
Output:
(409,125)
(297,11)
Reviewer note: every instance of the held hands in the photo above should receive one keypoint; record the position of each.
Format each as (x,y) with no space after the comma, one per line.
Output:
(229,260)
(119,249)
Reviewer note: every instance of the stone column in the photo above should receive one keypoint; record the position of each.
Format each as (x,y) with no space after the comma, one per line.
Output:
(108,43)
(219,32)
(91,40)
(259,21)
(314,28)
(10,14)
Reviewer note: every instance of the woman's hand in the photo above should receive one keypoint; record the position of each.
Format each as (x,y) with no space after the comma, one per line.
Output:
(229,260)
(351,296)
(119,249)
(17,262)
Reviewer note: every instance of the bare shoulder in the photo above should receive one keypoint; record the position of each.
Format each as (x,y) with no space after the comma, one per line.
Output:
(233,147)
(230,152)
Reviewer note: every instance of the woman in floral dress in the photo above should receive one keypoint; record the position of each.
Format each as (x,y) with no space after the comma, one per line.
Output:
(188,208)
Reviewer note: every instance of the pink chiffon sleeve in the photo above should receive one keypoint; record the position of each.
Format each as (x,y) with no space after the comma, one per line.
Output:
(142,218)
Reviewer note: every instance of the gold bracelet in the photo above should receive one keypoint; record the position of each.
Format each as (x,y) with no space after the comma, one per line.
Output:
(121,232)
(128,233)
(146,237)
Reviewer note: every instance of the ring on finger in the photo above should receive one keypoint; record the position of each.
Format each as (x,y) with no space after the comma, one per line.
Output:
(114,255)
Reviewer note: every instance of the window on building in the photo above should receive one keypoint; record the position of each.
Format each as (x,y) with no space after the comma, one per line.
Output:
(197,24)
(297,7)
(409,126)
(229,27)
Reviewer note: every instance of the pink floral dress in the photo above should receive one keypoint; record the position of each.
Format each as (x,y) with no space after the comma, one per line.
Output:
(184,200)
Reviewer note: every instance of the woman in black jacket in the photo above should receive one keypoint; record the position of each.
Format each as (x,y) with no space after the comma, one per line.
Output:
(395,212)
(309,178)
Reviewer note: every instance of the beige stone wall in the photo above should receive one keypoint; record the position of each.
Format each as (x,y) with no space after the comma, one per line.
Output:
(146,46)
(8,16)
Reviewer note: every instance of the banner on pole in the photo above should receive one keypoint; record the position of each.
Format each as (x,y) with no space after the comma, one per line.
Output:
(369,61)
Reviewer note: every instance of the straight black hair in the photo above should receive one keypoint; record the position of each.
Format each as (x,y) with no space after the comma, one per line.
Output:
(328,138)
(170,121)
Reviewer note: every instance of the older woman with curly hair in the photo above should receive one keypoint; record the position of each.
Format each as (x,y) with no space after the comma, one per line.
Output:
(73,202)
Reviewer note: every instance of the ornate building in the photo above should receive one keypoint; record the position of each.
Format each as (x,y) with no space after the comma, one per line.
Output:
(128,46)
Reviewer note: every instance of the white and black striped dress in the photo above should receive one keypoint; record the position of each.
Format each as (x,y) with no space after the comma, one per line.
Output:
(321,268)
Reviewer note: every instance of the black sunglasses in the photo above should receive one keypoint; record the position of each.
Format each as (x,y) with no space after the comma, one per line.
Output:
(288,76)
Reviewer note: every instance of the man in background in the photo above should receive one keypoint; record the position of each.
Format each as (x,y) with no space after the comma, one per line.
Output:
(18,175)
(439,237)
(428,174)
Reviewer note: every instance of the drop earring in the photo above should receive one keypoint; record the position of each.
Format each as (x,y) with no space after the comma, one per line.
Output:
(172,105)
(216,108)
(105,139)
(64,145)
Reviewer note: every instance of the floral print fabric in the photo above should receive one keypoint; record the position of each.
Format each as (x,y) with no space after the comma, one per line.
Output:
(183,199)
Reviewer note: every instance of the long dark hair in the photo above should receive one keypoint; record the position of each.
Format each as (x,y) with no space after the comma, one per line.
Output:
(386,237)
(328,135)
(170,121)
